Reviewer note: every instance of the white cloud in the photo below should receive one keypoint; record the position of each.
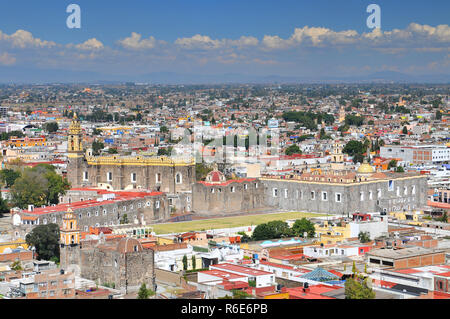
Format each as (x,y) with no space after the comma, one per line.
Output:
(89,45)
(24,39)
(322,36)
(199,42)
(7,59)
(244,41)
(275,42)
(204,42)
(414,36)
(311,36)
(134,42)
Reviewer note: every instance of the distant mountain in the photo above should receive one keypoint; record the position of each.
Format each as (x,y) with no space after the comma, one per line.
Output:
(37,76)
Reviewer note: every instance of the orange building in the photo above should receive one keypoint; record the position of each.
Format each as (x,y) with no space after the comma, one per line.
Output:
(26,142)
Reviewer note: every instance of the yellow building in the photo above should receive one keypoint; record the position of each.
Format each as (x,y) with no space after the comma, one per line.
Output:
(329,234)
(13,245)
(411,218)
(27,142)
(165,240)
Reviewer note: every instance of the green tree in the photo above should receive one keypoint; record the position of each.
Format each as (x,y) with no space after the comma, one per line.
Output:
(30,189)
(272,230)
(354,289)
(438,115)
(194,262)
(302,226)
(57,185)
(354,120)
(293,149)
(97,146)
(244,237)
(354,147)
(145,293)
(405,130)
(164,129)
(358,158)
(6,136)
(185,262)
(392,164)
(400,169)
(112,151)
(16,266)
(45,239)
(4,207)
(364,237)
(51,127)
(165,151)
(9,176)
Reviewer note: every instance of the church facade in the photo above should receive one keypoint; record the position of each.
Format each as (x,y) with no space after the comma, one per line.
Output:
(116,172)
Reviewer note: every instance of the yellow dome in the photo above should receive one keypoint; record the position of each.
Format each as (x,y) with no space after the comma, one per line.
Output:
(365,168)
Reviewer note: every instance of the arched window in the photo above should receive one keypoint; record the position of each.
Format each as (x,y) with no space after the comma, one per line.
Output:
(178,178)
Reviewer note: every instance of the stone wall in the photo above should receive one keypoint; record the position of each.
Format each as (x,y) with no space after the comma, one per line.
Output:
(108,266)
(110,214)
(297,195)
(221,200)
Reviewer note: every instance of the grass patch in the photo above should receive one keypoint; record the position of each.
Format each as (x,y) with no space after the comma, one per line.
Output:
(226,222)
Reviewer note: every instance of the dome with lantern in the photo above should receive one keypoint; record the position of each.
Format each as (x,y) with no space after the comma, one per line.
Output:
(215,176)
(365,168)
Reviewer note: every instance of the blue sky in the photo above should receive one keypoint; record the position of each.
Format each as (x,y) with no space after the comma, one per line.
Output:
(284,37)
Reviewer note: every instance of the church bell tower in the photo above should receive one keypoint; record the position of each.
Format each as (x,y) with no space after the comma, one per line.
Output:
(69,241)
(75,152)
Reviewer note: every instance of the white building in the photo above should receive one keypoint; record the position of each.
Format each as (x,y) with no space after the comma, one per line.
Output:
(375,228)
(261,278)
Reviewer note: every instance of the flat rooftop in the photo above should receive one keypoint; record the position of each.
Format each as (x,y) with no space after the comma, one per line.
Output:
(241,269)
(401,253)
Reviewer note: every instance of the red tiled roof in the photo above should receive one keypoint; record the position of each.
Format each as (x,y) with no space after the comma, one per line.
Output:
(438,204)
(439,295)
(215,176)
(382,283)
(230,285)
(313,292)
(408,271)
(444,274)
